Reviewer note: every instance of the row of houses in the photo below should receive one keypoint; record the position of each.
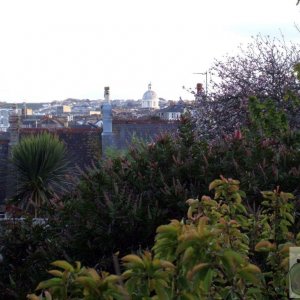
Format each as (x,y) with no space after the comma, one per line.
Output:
(86,137)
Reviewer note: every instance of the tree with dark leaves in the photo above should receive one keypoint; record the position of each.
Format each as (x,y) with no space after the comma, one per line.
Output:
(264,69)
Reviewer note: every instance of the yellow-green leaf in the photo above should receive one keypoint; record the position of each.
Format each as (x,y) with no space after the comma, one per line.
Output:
(264,246)
(87,282)
(196,269)
(56,273)
(33,297)
(112,278)
(166,264)
(127,274)
(78,265)
(63,264)
(134,259)
(215,183)
(49,283)
(252,268)
(93,273)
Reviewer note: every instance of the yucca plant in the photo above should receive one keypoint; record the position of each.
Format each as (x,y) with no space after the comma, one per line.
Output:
(41,165)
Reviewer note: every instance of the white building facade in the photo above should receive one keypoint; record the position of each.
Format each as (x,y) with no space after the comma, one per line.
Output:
(4,116)
(172,113)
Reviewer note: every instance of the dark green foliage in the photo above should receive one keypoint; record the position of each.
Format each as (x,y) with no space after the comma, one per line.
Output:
(27,248)
(120,201)
(221,251)
(267,120)
(41,166)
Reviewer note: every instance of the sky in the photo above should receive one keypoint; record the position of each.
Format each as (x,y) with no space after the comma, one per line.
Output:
(58,49)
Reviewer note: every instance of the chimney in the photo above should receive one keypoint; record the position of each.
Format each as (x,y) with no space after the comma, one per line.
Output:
(199,88)
(107,138)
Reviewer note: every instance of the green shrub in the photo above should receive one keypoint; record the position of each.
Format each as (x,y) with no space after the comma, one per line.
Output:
(120,201)
(221,251)
(26,249)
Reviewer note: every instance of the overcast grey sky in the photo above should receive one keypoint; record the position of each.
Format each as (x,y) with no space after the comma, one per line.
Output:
(52,50)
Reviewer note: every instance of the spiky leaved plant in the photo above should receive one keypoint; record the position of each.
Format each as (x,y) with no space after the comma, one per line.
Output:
(41,166)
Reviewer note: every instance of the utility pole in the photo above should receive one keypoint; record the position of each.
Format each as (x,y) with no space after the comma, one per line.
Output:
(204,73)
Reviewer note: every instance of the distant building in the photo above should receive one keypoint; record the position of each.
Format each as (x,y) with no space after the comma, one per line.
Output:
(85,143)
(24,111)
(150,99)
(63,109)
(118,134)
(4,123)
(51,122)
(91,121)
(172,112)
(27,111)
(94,112)
(30,122)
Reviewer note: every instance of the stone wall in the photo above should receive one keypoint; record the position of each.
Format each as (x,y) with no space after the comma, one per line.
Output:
(83,144)
(147,130)
(4,140)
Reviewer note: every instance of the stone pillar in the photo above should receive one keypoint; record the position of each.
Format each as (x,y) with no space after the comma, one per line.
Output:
(107,139)
(107,113)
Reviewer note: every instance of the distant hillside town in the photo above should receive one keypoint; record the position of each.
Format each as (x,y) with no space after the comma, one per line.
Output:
(88,127)
(72,113)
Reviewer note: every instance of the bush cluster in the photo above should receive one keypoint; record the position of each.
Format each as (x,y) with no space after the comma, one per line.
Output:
(119,202)
(229,245)
(221,251)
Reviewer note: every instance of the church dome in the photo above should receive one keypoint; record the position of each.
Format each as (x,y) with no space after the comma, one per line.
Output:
(150,99)
(149,95)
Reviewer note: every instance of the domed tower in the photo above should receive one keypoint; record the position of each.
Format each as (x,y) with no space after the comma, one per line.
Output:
(150,99)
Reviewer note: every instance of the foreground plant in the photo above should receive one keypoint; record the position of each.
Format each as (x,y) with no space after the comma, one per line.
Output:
(222,250)
(41,165)
(210,248)
(78,282)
